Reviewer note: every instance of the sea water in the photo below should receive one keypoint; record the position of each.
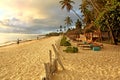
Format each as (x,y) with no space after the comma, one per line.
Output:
(9,38)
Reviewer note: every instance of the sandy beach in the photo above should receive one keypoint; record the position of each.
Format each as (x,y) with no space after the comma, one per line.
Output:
(26,62)
(91,65)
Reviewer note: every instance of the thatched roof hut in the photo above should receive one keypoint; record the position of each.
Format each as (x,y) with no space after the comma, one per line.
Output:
(73,34)
(91,31)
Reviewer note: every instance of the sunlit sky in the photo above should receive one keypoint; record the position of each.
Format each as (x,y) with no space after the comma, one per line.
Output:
(33,16)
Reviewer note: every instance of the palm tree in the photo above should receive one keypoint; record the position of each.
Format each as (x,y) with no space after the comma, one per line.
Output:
(78,24)
(91,14)
(64,28)
(68,21)
(60,28)
(105,15)
(67,4)
(95,6)
(99,5)
(87,12)
(57,30)
(110,18)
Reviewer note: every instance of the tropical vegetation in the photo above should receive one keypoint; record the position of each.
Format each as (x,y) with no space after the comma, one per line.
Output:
(53,34)
(69,7)
(71,49)
(64,42)
(68,21)
(98,16)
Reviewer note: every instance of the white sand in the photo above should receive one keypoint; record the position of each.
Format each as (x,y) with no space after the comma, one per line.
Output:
(91,65)
(26,60)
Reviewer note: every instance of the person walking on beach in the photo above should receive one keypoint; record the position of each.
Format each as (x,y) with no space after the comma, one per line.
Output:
(18,41)
(37,37)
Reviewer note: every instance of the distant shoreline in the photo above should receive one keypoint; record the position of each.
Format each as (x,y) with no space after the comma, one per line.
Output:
(21,41)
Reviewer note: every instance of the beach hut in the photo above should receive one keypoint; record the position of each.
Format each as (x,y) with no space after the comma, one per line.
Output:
(74,34)
(91,32)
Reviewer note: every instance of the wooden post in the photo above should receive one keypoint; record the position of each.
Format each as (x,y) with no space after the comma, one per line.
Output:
(57,47)
(47,70)
(50,54)
(56,53)
(54,67)
(44,78)
(57,57)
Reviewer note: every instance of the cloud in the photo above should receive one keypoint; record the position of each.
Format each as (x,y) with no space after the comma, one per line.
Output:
(32,16)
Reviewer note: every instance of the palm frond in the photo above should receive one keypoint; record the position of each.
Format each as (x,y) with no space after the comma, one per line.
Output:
(63,7)
(60,1)
(72,2)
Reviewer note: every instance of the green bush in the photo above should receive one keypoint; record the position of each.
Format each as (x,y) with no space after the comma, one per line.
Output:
(71,50)
(64,38)
(75,49)
(64,42)
(68,49)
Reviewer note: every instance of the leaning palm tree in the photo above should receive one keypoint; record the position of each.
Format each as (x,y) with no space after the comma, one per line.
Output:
(87,13)
(68,21)
(67,4)
(95,6)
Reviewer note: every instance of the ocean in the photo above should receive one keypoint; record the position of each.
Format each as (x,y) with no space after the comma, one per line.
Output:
(10,38)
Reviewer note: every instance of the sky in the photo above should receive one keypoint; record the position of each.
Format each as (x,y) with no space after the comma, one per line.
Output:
(33,16)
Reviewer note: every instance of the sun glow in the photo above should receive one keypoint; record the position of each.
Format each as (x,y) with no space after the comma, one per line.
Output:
(28,16)
(20,9)
(2,14)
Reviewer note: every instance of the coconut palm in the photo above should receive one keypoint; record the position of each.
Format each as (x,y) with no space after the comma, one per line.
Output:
(87,12)
(107,15)
(98,5)
(91,10)
(57,30)
(78,24)
(68,21)
(110,19)
(67,4)
(64,28)
(60,28)
(95,6)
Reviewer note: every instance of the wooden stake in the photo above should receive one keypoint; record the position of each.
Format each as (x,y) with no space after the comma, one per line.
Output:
(50,55)
(57,57)
(47,70)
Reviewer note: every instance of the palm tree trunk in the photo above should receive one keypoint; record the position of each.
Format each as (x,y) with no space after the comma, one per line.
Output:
(112,36)
(77,14)
(98,7)
(113,39)
(100,35)
(108,35)
(91,1)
